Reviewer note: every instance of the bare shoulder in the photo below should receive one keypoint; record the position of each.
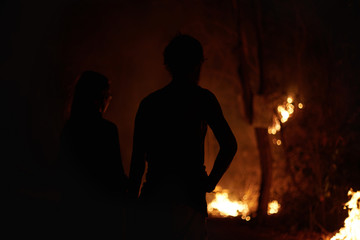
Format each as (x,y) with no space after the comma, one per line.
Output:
(153,97)
(208,98)
(206,93)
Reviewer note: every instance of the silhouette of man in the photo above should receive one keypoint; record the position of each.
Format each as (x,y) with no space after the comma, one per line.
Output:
(169,134)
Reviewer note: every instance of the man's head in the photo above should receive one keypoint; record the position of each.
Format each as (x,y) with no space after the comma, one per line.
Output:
(183,57)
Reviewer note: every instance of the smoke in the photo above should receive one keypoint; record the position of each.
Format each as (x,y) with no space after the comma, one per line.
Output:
(50,44)
(125,42)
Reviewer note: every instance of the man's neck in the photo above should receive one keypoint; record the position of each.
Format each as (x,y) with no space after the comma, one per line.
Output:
(186,80)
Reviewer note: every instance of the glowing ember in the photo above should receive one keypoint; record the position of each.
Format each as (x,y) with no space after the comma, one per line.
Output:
(351,229)
(284,113)
(273,207)
(223,206)
(275,127)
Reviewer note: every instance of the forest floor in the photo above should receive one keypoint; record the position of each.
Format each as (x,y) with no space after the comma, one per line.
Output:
(237,229)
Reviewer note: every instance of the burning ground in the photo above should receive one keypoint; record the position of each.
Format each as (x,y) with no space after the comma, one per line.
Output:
(229,228)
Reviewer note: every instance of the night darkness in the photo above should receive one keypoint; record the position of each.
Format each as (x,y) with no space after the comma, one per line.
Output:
(256,54)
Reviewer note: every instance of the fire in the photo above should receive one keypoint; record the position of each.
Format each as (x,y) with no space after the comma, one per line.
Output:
(284,112)
(276,127)
(223,206)
(351,229)
(273,207)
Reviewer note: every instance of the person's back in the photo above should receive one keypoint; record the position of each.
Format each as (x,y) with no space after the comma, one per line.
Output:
(170,129)
(92,157)
(175,120)
(93,179)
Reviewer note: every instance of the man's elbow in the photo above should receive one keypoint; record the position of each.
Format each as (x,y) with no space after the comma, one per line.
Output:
(233,147)
(229,148)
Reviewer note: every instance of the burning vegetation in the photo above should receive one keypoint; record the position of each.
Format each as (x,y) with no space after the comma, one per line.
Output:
(304,163)
(223,206)
(284,112)
(273,207)
(351,229)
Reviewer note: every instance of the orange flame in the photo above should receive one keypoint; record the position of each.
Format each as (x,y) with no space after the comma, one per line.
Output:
(273,207)
(285,111)
(223,206)
(351,229)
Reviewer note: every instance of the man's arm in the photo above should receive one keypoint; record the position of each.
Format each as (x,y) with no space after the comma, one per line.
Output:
(225,138)
(137,166)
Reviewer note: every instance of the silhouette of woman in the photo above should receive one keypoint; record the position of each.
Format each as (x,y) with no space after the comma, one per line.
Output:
(94,183)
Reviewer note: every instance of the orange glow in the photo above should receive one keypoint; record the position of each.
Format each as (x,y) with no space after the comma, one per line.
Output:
(273,207)
(284,113)
(276,127)
(225,207)
(222,206)
(300,106)
(351,229)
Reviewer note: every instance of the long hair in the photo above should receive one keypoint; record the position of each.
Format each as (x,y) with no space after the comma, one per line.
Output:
(90,94)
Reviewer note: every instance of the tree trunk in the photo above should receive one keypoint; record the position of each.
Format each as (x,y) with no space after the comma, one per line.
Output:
(262,137)
(266,160)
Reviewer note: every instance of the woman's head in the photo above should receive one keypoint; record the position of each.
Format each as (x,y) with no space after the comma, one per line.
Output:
(91,94)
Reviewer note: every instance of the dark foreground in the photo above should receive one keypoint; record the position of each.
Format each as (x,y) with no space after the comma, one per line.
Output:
(25,212)
(237,229)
